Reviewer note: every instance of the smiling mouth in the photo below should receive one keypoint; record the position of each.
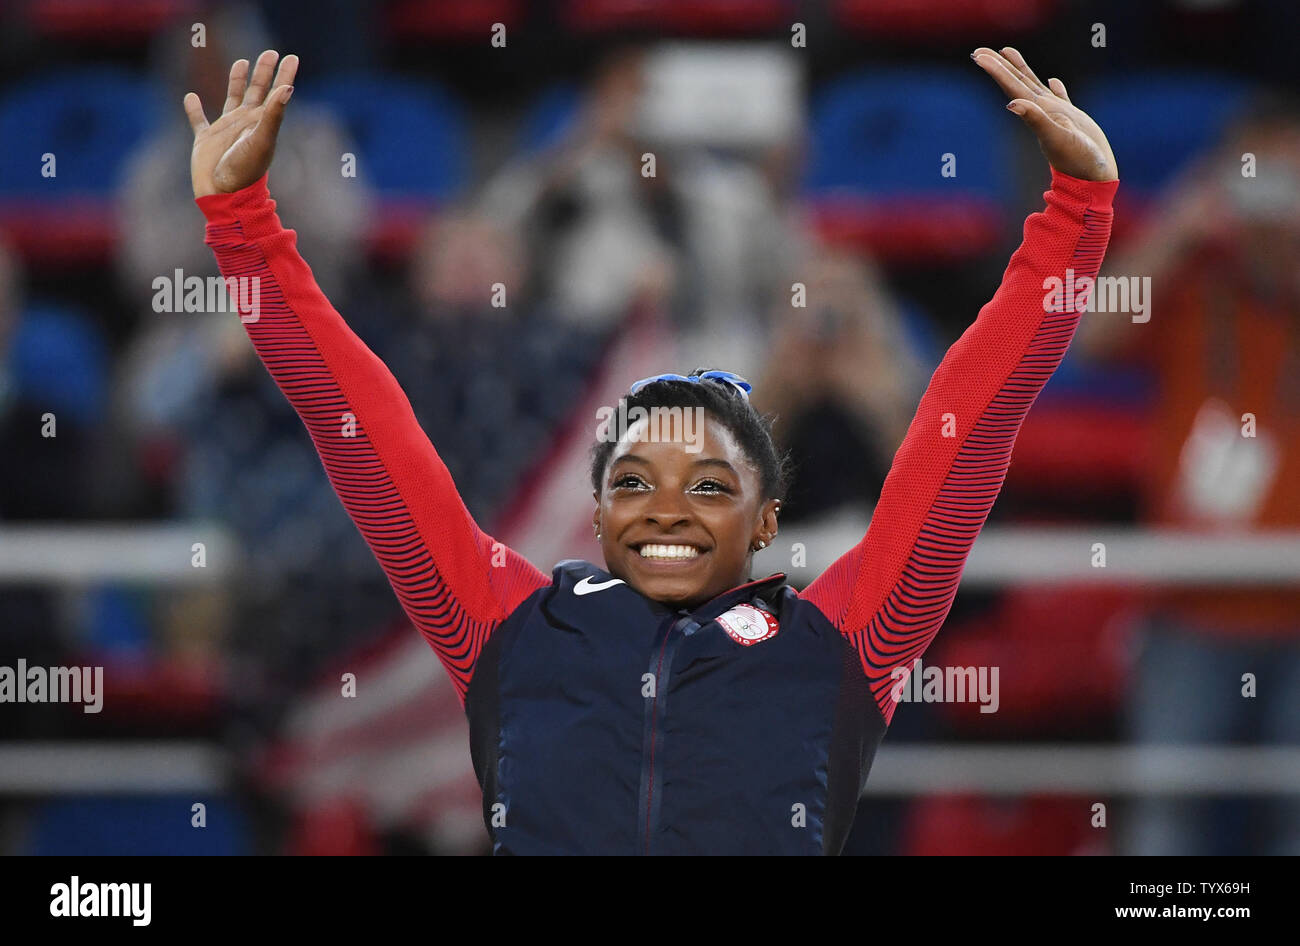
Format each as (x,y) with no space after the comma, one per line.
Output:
(660,552)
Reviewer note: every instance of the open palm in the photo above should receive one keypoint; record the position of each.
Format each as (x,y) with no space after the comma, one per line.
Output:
(236,149)
(1072,141)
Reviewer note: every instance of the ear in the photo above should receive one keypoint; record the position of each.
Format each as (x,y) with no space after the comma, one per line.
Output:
(766,527)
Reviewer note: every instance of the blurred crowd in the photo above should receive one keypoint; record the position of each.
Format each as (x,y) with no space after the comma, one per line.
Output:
(169,417)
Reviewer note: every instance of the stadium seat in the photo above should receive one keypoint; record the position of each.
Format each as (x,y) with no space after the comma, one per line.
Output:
(89,120)
(874,181)
(58,357)
(116,621)
(1071,448)
(1062,654)
(409,20)
(135,826)
(712,17)
(121,21)
(964,825)
(1156,123)
(926,18)
(412,148)
(1088,434)
(162,695)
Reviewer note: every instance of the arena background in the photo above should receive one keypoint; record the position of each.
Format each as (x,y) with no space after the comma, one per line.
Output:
(163,515)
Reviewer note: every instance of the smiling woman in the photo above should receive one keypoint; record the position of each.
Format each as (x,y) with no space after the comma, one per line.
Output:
(680,518)
(666,703)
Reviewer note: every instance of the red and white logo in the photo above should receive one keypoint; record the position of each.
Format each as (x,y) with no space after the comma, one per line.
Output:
(746,624)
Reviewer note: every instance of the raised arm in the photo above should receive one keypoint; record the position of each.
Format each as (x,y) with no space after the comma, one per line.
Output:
(454,582)
(891,592)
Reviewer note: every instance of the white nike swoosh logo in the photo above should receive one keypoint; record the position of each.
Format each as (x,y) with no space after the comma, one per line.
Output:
(585,587)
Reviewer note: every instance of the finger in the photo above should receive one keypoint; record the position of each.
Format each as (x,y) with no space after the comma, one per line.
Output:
(1049,131)
(261,80)
(194,111)
(1033,87)
(238,80)
(268,126)
(1003,74)
(287,71)
(1012,55)
(1058,87)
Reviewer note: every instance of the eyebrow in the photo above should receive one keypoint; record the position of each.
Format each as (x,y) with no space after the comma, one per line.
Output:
(703,461)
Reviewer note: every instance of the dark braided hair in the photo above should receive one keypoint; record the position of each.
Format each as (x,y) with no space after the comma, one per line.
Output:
(752,430)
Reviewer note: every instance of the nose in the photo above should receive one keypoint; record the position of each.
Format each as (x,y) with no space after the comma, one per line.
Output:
(668,509)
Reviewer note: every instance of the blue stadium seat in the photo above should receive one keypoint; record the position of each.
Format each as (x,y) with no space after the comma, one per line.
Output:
(1157,121)
(117,622)
(90,120)
(58,357)
(412,148)
(874,170)
(411,137)
(135,826)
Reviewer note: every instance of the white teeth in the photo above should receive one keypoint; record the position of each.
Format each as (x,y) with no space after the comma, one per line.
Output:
(669,551)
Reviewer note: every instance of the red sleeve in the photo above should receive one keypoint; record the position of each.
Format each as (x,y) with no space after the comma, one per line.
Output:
(890,593)
(454,582)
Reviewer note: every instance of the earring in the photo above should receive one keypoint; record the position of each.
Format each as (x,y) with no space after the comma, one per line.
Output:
(761,545)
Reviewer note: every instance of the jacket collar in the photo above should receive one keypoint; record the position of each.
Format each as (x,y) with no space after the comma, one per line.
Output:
(766,588)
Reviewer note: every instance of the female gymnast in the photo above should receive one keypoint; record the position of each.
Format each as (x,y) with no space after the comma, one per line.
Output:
(666,703)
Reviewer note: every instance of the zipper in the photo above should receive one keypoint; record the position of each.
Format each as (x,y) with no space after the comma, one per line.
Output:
(652,739)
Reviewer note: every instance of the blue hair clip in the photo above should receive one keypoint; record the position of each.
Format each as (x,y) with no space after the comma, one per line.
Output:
(722,377)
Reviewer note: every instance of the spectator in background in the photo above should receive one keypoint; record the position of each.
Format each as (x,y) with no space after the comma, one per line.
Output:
(490,384)
(843,379)
(1223,340)
(703,237)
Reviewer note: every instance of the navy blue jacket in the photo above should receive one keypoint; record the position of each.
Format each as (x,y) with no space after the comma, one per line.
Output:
(606,723)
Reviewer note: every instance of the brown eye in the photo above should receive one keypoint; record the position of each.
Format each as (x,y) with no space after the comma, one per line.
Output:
(627,480)
(713,486)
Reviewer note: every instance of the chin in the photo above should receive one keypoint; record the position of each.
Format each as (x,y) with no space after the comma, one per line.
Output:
(669,592)
(688,588)
(674,592)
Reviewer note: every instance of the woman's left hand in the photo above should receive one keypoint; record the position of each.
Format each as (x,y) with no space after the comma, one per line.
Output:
(1073,142)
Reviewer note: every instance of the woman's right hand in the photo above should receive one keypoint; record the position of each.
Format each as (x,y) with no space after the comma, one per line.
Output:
(236,149)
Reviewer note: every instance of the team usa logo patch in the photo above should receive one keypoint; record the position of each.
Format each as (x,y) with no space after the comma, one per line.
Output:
(746,624)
